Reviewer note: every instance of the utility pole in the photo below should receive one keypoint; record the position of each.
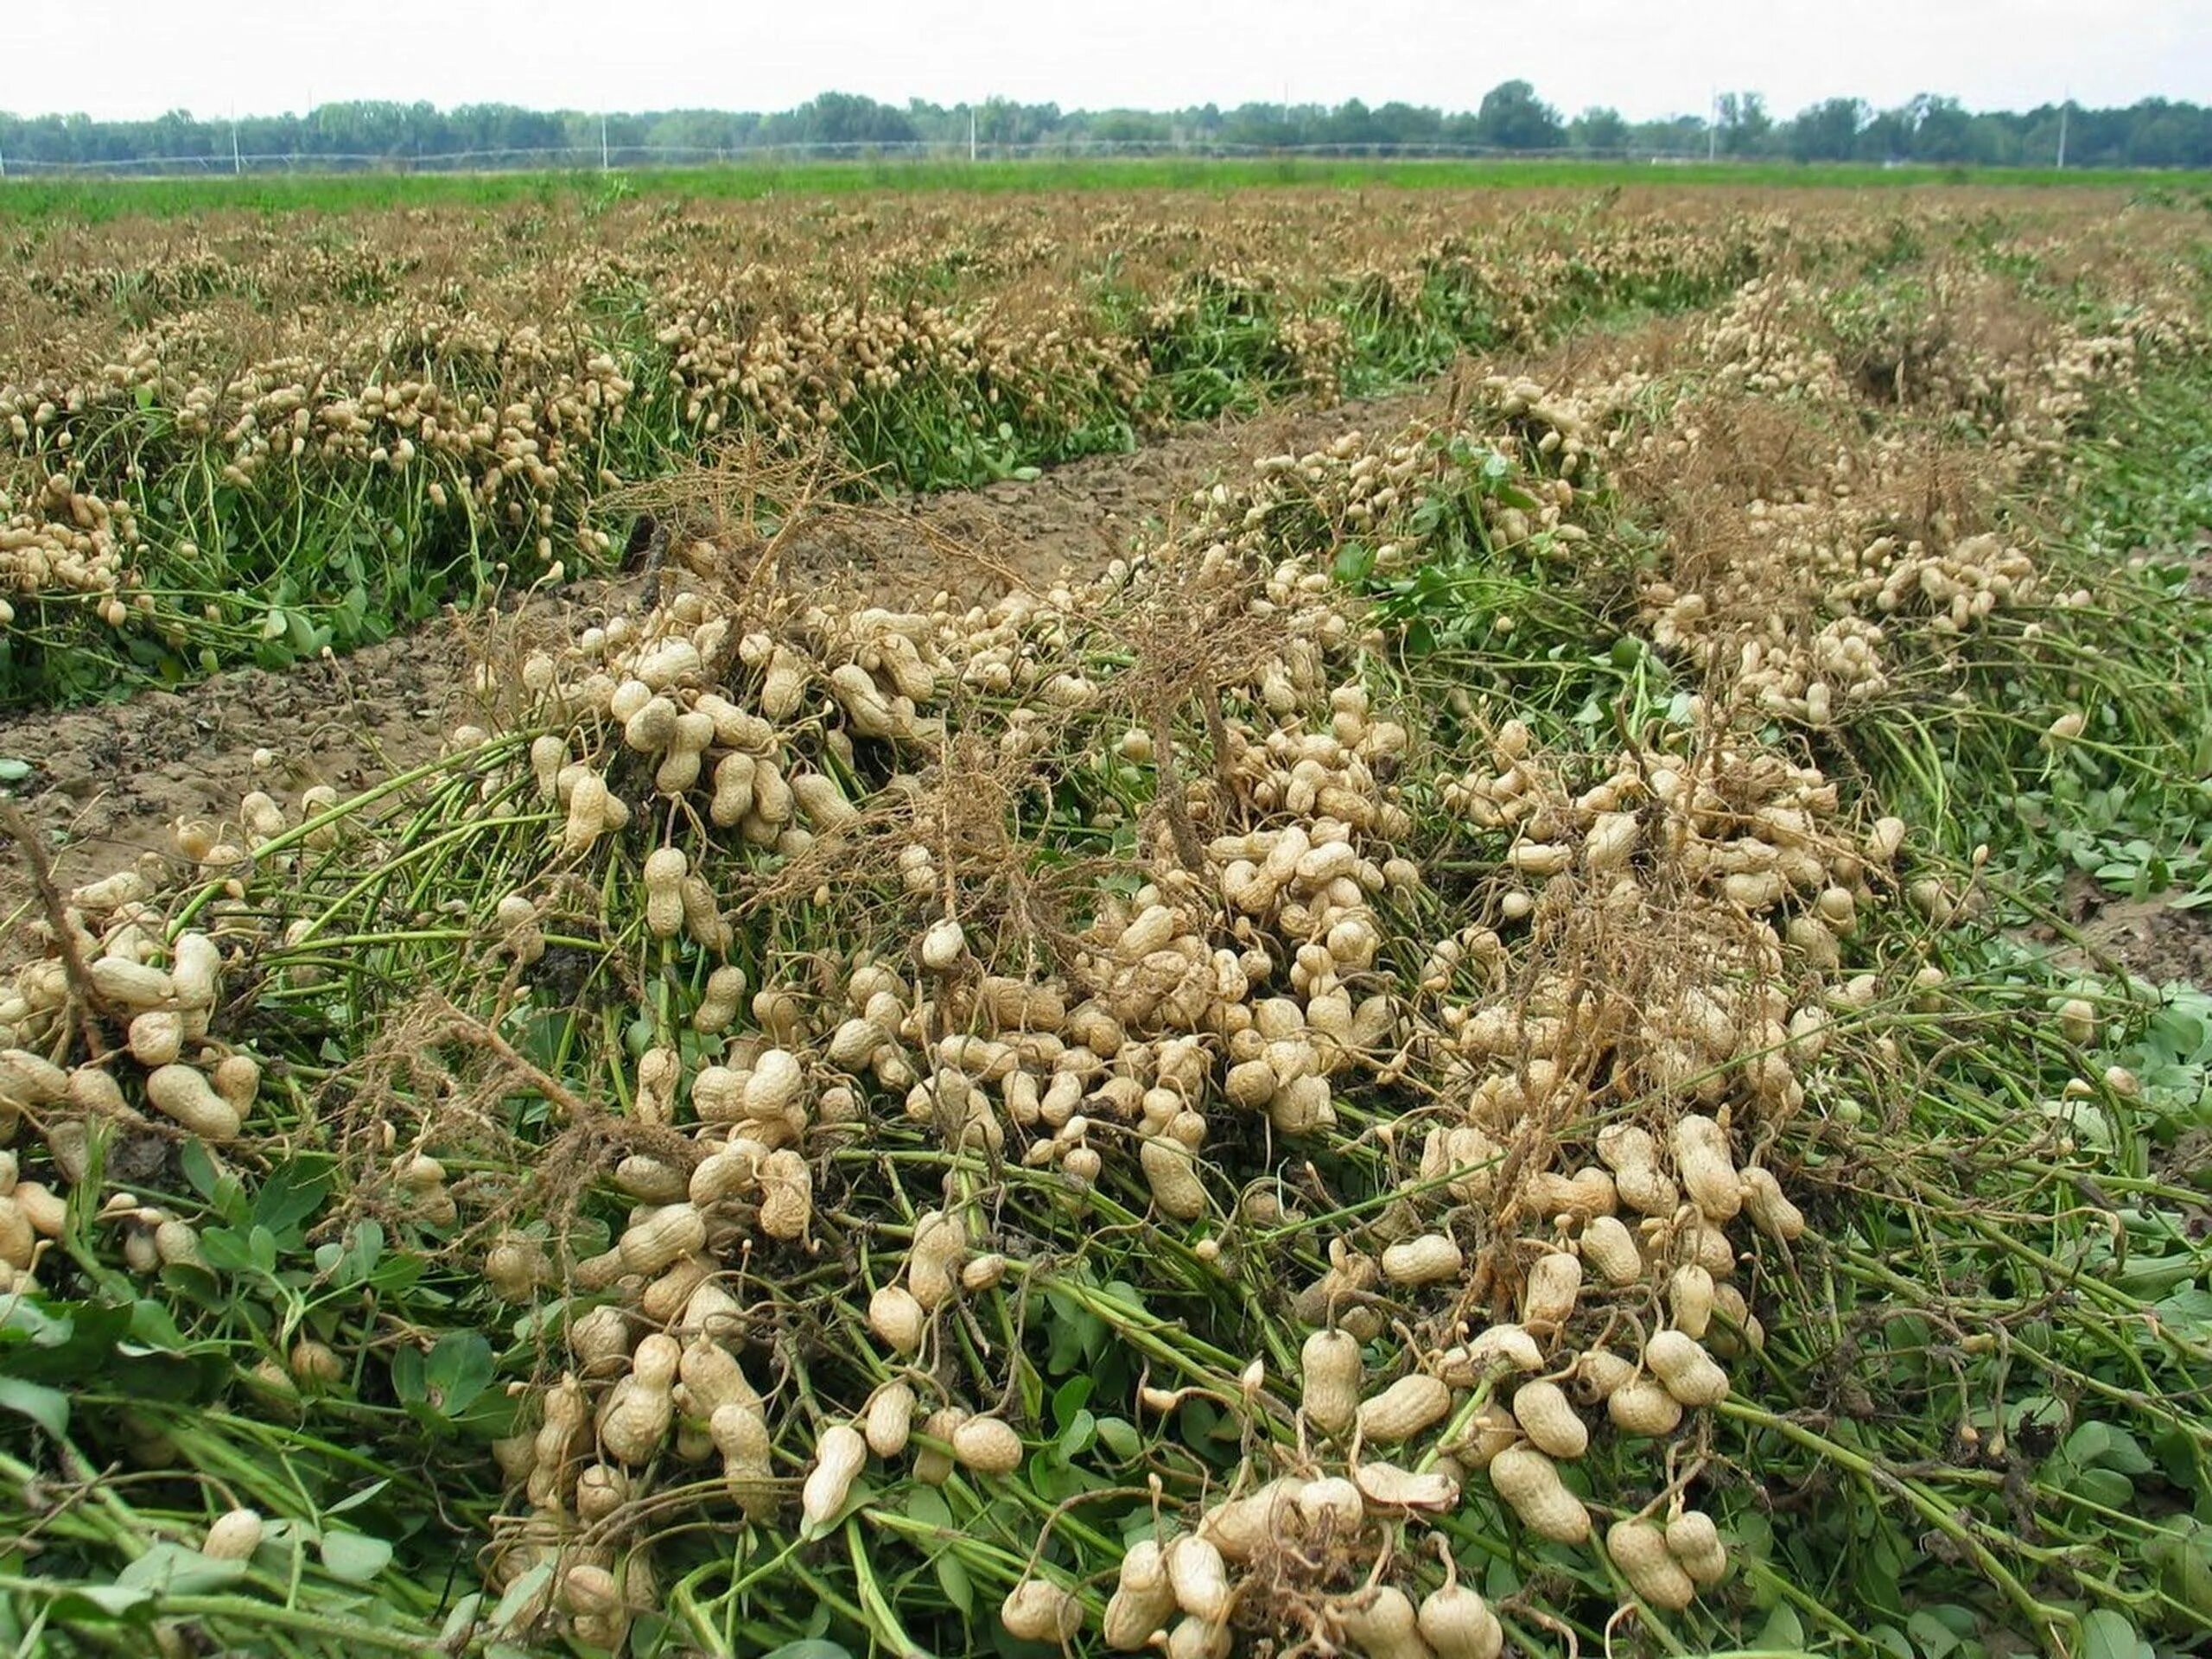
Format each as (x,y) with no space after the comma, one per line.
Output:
(1713,129)
(971,135)
(238,166)
(2062,110)
(603,144)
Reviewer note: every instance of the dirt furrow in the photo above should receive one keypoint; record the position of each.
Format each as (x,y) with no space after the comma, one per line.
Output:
(106,783)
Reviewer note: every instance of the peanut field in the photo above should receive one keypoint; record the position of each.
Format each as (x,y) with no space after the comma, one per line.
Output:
(1302,922)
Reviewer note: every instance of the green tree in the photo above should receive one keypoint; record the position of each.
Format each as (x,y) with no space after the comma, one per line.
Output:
(1942,129)
(1600,129)
(1887,137)
(1512,117)
(1407,124)
(841,118)
(1681,135)
(1827,131)
(1746,127)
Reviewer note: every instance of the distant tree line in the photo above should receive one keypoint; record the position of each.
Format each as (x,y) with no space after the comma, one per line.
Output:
(2156,132)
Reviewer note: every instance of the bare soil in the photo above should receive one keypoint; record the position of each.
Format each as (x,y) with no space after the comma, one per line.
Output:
(107,783)
(2153,939)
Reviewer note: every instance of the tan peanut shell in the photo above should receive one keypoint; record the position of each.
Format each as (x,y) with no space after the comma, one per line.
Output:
(838,1457)
(1528,1481)
(1381,1622)
(1639,1549)
(890,1419)
(1193,1637)
(1689,1299)
(897,1318)
(1241,1527)
(1643,1408)
(1769,1207)
(1199,1576)
(1403,1410)
(662,1236)
(1549,1421)
(1387,1487)
(183,1094)
(1548,1296)
(1607,1244)
(1036,1610)
(1695,1541)
(1690,1374)
(990,1446)
(1142,1602)
(1708,1171)
(1428,1260)
(232,1536)
(1329,1369)
(1457,1624)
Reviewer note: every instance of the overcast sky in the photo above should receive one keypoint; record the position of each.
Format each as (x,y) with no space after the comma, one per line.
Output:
(137,58)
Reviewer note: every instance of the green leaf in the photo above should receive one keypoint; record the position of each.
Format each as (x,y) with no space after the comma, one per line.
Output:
(2107,1635)
(13,771)
(459,1622)
(1128,1295)
(2126,1454)
(409,1374)
(48,1407)
(1783,1630)
(21,1317)
(227,1250)
(1070,1397)
(306,638)
(809,1647)
(170,1569)
(363,1246)
(952,1578)
(927,1505)
(2188,1314)
(2107,1488)
(92,1604)
(458,1368)
(290,1196)
(2182,1558)
(1119,1436)
(2098,1445)
(1962,1622)
(1929,1636)
(1074,1331)
(153,1326)
(1075,1438)
(355,1557)
(524,1590)
(364,1496)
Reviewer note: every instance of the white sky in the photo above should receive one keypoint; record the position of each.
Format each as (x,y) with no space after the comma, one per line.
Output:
(137,58)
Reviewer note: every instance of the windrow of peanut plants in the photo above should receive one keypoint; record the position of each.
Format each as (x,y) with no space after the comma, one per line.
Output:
(249,443)
(1371,1080)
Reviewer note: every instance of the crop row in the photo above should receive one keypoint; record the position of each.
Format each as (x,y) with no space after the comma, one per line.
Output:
(1390,1075)
(237,450)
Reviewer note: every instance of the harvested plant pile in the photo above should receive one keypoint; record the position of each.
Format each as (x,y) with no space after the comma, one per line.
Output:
(1369,1080)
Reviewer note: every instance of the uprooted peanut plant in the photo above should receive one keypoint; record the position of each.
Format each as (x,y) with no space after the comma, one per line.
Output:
(1422,1065)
